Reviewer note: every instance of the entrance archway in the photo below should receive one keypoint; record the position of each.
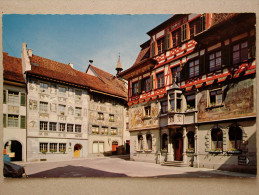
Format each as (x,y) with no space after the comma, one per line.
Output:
(178,146)
(114,148)
(77,149)
(14,149)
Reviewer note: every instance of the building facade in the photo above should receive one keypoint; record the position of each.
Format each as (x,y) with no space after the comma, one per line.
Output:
(51,110)
(191,93)
(14,109)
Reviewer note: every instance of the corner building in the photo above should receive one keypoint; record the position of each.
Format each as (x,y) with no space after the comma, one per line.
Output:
(191,94)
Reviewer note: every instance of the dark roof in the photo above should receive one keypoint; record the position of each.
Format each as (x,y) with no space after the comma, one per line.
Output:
(63,72)
(12,68)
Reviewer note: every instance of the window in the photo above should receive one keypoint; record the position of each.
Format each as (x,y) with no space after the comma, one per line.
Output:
(140,142)
(203,22)
(43,147)
(44,87)
(104,131)
(184,32)
(62,126)
(113,131)
(240,52)
(175,74)
(194,68)
(147,111)
(164,142)
(190,136)
(216,97)
(194,28)
(70,127)
(62,147)
(149,141)
(13,120)
(176,38)
(160,79)
(61,109)
(215,61)
(43,106)
(13,97)
(217,139)
(135,88)
(235,137)
(62,91)
(95,129)
(78,128)
(111,117)
(52,126)
(100,116)
(33,105)
(53,89)
(163,107)
(146,84)
(78,94)
(190,99)
(98,147)
(53,147)
(178,102)
(161,45)
(43,125)
(78,111)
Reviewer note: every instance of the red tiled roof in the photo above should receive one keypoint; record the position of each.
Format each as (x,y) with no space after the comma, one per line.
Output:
(63,72)
(12,68)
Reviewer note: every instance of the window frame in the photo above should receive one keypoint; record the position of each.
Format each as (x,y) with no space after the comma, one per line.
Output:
(43,146)
(164,108)
(61,93)
(149,141)
(215,67)
(13,97)
(176,37)
(135,88)
(160,76)
(160,45)
(61,109)
(43,107)
(43,125)
(193,67)
(239,43)
(147,111)
(13,119)
(211,104)
(51,125)
(175,71)
(219,139)
(69,129)
(146,83)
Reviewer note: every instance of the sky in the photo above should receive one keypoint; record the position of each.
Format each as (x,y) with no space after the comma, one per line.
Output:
(78,38)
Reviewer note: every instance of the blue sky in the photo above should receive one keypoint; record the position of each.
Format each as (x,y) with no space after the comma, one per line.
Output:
(78,38)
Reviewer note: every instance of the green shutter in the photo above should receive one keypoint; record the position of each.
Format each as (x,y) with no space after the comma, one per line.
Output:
(202,65)
(251,46)
(23,99)
(139,87)
(151,82)
(4,97)
(153,49)
(227,56)
(183,73)
(4,120)
(23,122)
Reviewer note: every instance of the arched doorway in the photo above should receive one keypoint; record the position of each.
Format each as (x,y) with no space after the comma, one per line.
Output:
(77,149)
(14,149)
(178,146)
(114,148)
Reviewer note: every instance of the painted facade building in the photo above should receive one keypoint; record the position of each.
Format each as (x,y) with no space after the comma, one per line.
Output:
(14,109)
(50,109)
(191,93)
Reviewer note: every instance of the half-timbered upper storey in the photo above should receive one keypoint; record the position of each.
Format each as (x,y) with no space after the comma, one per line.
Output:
(193,51)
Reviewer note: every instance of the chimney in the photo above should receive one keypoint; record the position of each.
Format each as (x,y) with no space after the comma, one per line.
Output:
(30,52)
(71,65)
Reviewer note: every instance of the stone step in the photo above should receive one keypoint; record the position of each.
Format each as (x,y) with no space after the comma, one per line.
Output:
(174,164)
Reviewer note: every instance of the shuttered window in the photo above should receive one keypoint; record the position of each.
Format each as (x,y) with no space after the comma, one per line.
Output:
(4,97)
(4,120)
(23,99)
(23,122)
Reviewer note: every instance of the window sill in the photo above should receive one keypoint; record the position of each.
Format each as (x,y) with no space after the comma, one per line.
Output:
(139,151)
(163,115)
(214,106)
(148,151)
(190,152)
(216,152)
(234,152)
(191,110)
(146,117)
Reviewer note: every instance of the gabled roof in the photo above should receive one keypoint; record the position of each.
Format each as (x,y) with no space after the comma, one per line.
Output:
(12,68)
(107,83)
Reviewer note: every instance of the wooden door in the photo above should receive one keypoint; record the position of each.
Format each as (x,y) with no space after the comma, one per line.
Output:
(77,151)
(178,149)
(114,147)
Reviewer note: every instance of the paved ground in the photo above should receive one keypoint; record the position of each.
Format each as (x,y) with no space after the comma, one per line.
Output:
(116,167)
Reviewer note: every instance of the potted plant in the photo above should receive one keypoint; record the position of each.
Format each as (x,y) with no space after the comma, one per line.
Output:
(43,151)
(53,150)
(190,150)
(216,150)
(63,151)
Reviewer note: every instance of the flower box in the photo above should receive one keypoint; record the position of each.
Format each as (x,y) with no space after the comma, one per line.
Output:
(234,152)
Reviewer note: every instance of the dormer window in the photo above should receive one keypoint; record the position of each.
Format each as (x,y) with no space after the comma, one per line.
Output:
(161,45)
